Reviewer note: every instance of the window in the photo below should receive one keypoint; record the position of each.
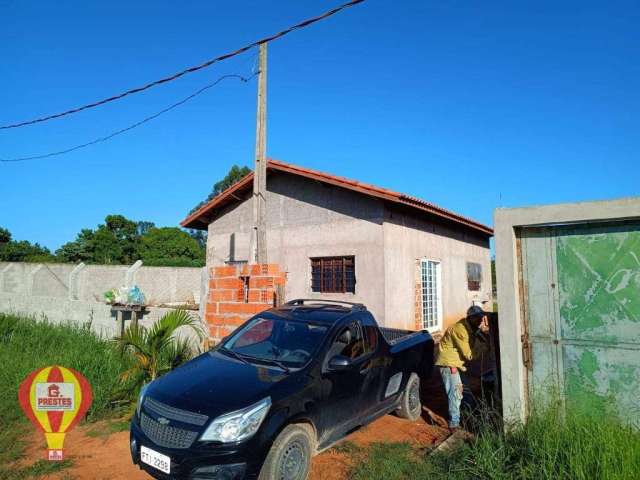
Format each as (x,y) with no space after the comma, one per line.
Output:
(431,295)
(267,340)
(333,275)
(474,276)
(349,343)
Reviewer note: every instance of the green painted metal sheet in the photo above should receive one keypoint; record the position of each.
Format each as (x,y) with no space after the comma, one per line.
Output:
(583,285)
(598,270)
(599,282)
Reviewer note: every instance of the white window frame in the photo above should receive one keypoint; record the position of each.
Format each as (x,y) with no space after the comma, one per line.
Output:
(431,297)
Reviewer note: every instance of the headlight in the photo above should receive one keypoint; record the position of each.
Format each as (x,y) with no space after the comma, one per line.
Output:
(238,425)
(143,392)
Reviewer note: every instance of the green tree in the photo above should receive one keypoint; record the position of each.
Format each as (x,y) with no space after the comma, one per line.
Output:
(144,226)
(235,174)
(199,236)
(157,350)
(115,242)
(22,251)
(5,235)
(79,250)
(170,246)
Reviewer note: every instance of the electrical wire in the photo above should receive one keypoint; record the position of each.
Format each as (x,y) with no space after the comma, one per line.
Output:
(186,71)
(131,127)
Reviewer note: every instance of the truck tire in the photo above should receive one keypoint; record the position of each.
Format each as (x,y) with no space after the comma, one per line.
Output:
(290,454)
(410,405)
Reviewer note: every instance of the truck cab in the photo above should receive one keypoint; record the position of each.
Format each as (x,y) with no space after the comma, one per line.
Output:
(287,384)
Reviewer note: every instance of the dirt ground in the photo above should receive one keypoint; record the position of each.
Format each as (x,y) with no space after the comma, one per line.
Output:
(106,457)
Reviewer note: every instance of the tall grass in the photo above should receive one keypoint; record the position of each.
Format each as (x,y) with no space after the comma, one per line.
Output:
(576,447)
(549,446)
(27,344)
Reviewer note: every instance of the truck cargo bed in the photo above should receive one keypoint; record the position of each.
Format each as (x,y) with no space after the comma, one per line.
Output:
(395,335)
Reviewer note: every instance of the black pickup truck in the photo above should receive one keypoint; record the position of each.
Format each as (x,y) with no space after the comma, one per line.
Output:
(287,384)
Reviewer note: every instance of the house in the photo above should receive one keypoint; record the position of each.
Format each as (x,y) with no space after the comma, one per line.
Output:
(415,265)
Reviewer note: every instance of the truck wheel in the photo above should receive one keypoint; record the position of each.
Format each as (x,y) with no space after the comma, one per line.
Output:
(290,455)
(410,405)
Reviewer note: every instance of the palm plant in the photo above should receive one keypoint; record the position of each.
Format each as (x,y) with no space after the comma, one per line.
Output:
(158,349)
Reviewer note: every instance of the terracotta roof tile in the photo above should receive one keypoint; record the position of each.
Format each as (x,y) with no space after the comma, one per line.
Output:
(200,218)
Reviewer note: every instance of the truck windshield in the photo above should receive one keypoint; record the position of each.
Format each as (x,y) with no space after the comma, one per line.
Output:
(288,343)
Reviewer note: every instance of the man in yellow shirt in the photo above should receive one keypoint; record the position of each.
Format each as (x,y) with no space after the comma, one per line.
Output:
(462,342)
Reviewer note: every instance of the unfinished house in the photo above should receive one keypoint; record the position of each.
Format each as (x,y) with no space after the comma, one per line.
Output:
(413,264)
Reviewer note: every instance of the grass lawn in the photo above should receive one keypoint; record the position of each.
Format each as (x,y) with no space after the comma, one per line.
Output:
(579,448)
(27,344)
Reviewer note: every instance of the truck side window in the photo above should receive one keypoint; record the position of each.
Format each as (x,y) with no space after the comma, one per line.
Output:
(349,342)
(371,337)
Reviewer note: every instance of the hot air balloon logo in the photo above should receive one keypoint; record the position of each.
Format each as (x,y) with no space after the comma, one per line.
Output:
(55,399)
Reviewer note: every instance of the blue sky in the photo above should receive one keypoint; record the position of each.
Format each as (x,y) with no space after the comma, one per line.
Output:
(470,105)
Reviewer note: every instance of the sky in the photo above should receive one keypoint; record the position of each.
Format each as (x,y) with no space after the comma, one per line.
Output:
(469,105)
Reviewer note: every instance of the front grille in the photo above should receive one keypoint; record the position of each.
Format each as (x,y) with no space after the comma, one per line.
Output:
(173,413)
(166,436)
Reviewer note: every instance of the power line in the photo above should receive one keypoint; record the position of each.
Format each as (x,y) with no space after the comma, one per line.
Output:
(187,70)
(130,127)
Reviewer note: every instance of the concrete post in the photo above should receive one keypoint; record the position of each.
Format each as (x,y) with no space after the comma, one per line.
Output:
(2,275)
(130,276)
(30,279)
(74,291)
(204,293)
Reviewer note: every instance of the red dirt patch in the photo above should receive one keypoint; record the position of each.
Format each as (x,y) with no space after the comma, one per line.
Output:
(107,457)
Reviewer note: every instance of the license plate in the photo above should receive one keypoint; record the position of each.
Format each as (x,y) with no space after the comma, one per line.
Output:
(155,459)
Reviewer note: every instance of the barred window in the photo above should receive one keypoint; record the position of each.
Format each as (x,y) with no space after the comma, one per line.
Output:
(333,275)
(474,276)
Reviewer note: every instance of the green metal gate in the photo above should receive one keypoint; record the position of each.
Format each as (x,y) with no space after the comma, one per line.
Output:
(581,288)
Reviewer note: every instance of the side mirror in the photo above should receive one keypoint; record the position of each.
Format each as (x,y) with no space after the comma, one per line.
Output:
(339,362)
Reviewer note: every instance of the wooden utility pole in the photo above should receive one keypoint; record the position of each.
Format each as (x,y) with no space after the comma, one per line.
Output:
(258,250)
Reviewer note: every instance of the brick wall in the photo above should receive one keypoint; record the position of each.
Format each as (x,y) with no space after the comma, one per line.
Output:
(418,324)
(236,293)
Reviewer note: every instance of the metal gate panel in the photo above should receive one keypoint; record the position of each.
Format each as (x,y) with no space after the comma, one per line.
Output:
(582,301)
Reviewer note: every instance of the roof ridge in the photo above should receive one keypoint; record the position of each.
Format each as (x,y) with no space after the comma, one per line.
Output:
(362,187)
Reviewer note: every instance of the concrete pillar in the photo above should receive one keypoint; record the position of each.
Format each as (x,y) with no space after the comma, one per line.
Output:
(30,279)
(3,273)
(130,276)
(74,293)
(204,295)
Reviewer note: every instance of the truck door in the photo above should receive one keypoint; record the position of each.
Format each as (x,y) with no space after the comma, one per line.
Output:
(343,388)
(374,368)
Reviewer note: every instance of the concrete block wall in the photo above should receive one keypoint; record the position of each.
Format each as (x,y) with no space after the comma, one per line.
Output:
(236,293)
(74,293)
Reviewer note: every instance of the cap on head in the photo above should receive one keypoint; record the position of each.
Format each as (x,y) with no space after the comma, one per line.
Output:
(475,311)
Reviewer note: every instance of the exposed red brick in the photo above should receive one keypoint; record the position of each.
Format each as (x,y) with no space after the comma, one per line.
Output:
(254,296)
(242,308)
(214,319)
(235,320)
(226,271)
(270,269)
(225,331)
(222,295)
(225,283)
(261,282)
